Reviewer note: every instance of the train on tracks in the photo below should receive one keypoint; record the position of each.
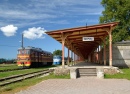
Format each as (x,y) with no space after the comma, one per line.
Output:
(33,57)
(57,60)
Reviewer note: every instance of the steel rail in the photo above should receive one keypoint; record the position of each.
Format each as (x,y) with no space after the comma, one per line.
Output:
(17,78)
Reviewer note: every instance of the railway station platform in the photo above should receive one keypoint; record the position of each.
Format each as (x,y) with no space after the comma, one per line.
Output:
(80,86)
(88,65)
(90,85)
(89,69)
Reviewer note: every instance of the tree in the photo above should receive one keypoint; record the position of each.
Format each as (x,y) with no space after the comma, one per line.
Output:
(57,52)
(117,10)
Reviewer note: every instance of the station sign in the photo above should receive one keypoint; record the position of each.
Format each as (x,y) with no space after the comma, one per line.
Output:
(88,38)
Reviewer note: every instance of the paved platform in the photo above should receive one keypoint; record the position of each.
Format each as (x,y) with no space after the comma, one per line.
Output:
(80,86)
(88,65)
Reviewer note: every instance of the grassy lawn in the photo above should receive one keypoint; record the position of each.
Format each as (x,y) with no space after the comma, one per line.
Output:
(14,66)
(16,72)
(11,73)
(8,66)
(16,87)
(124,75)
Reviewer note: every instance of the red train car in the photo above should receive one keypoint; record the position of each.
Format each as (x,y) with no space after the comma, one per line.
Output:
(33,57)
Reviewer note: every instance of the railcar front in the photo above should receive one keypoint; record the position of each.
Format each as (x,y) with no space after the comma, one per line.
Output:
(23,58)
(57,60)
(33,57)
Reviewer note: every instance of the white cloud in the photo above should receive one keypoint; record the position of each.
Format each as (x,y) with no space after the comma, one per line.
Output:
(9,30)
(34,33)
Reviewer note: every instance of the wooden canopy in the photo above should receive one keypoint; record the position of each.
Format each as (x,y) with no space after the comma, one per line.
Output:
(73,37)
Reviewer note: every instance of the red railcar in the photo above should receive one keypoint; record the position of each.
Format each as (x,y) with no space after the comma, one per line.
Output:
(33,57)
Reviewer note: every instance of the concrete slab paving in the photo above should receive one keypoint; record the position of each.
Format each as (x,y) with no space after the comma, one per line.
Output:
(80,86)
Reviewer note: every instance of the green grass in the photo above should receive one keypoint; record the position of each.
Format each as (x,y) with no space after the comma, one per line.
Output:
(16,87)
(17,72)
(124,75)
(8,66)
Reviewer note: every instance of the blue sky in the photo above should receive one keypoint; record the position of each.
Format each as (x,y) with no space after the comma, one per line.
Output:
(34,17)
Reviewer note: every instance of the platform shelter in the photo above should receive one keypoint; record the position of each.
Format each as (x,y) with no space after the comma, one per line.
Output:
(83,41)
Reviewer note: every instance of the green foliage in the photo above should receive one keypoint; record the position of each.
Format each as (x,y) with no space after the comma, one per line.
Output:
(117,10)
(57,52)
(124,75)
(3,60)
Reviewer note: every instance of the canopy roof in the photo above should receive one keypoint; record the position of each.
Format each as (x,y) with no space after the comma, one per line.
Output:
(73,37)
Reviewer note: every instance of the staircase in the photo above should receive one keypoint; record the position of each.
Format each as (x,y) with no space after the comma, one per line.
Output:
(87,72)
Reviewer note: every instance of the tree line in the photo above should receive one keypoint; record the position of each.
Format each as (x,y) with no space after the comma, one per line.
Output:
(117,10)
(7,61)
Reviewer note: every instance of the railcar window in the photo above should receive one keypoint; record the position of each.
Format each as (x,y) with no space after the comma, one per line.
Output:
(27,51)
(19,52)
(23,51)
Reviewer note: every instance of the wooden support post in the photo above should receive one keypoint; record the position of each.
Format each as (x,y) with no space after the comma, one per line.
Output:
(110,47)
(98,55)
(63,37)
(68,57)
(104,52)
(74,59)
(63,62)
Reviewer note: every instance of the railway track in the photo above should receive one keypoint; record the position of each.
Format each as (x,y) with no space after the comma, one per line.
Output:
(17,78)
